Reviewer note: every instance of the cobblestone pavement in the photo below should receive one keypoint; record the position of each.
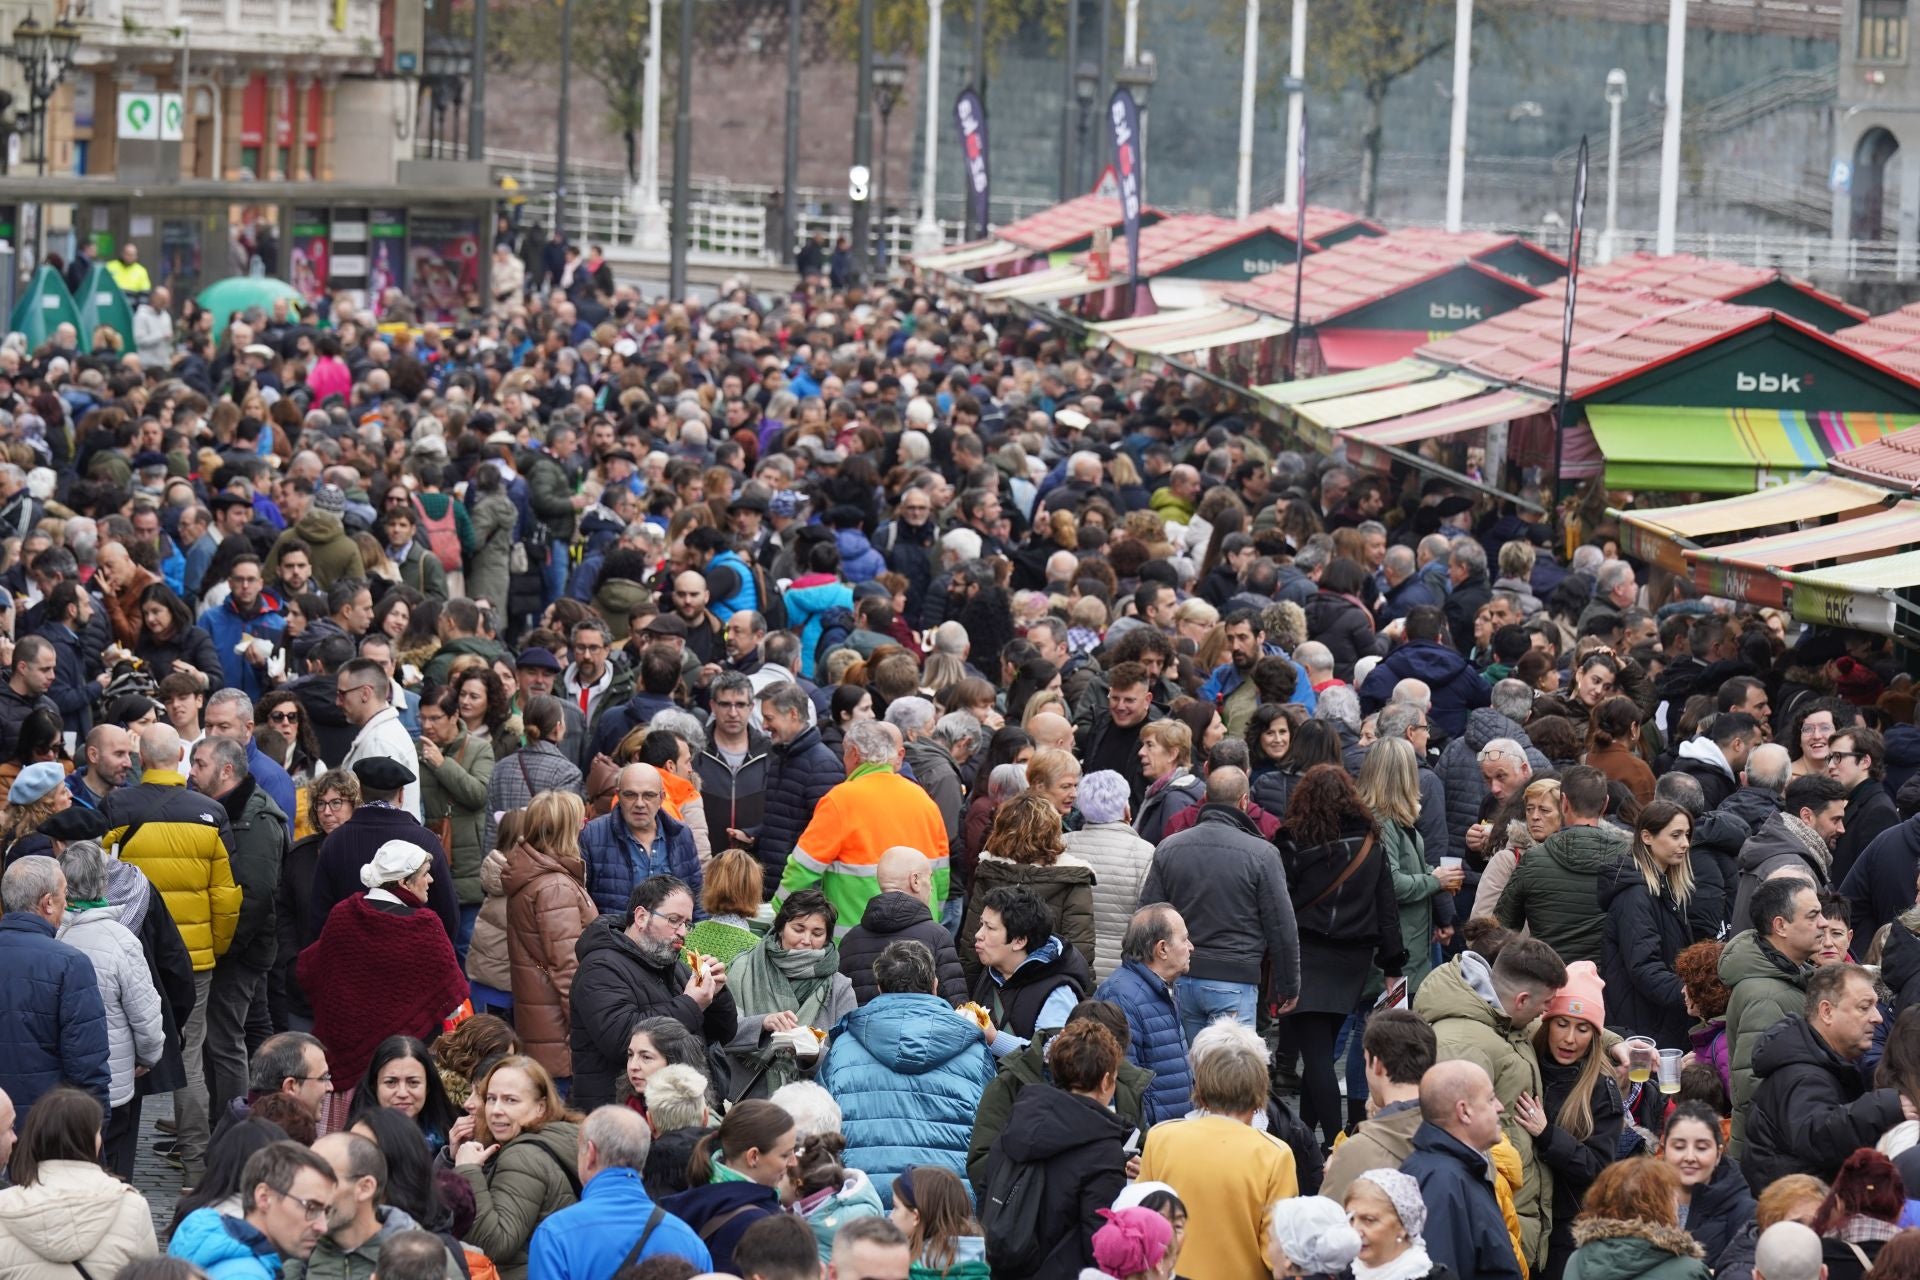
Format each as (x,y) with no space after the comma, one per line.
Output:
(157,1180)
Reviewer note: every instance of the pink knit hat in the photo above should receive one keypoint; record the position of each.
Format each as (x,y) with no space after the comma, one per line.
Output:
(1132,1241)
(1582,997)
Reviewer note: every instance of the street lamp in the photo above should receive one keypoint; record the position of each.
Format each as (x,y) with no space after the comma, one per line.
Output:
(1616,94)
(1137,77)
(1086,86)
(45,56)
(889,80)
(445,68)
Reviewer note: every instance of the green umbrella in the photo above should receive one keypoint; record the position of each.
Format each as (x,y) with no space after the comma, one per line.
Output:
(237,293)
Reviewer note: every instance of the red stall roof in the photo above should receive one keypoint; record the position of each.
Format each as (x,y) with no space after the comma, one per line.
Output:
(1349,276)
(1066,223)
(1173,242)
(1467,244)
(1893,339)
(1893,460)
(1684,275)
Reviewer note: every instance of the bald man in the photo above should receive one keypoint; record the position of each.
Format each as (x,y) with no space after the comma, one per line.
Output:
(901,910)
(706,634)
(635,841)
(1051,730)
(1459,1123)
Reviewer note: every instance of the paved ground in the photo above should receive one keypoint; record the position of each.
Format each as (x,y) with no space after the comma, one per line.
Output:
(157,1180)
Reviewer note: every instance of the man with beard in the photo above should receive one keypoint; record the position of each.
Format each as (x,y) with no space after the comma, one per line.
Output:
(246,612)
(1231,686)
(690,603)
(630,970)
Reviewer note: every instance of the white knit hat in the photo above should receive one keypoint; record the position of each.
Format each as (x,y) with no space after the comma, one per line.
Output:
(394,861)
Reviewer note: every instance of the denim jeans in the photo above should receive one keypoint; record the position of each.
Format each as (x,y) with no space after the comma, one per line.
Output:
(469,915)
(553,575)
(1201,1000)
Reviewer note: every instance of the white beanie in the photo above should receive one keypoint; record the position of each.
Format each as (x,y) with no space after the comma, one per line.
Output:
(394,861)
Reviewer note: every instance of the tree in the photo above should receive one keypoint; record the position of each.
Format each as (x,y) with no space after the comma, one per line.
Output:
(609,48)
(1373,43)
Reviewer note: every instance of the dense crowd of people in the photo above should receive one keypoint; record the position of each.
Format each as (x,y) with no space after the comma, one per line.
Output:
(844,784)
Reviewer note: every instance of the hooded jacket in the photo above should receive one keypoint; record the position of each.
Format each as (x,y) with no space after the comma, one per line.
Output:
(547,911)
(1811,1109)
(895,917)
(1900,959)
(335,555)
(616,987)
(330,1262)
(1880,884)
(1703,760)
(1382,1142)
(1613,1249)
(1553,890)
(1763,987)
(1464,1231)
(859,562)
(1644,933)
(531,1177)
(1340,623)
(134,1026)
(225,1248)
(179,839)
(1460,770)
(1752,805)
(799,775)
(1458,1000)
(908,1074)
(1079,1144)
(1718,837)
(1458,690)
(1029,1066)
(1784,842)
(748,1202)
(934,770)
(74,1213)
(1227,883)
(1870,810)
(1720,1216)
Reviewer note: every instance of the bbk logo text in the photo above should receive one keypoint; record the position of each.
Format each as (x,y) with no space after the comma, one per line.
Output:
(1767,383)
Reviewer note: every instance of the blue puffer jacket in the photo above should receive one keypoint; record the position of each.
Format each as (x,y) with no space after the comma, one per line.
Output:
(744,596)
(616,862)
(808,602)
(1458,689)
(226,627)
(225,1248)
(859,562)
(56,1024)
(908,1075)
(799,775)
(1156,1043)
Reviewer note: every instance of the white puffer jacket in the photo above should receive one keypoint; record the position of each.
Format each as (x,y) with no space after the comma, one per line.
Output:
(134,1035)
(74,1212)
(1120,860)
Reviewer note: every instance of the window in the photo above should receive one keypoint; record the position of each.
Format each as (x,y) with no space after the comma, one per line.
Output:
(250,160)
(1883,31)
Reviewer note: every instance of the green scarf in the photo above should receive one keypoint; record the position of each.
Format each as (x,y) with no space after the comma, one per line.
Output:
(725,1172)
(85,904)
(872,766)
(769,979)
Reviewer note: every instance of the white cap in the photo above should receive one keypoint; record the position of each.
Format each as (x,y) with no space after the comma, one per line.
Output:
(394,861)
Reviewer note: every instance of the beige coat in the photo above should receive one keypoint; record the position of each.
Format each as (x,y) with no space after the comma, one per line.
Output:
(547,910)
(487,953)
(73,1213)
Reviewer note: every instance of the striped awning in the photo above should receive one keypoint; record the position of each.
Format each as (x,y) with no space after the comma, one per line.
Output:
(1863,595)
(1040,286)
(1660,535)
(1334,385)
(1347,412)
(1250,328)
(1745,570)
(972,257)
(1451,419)
(1725,450)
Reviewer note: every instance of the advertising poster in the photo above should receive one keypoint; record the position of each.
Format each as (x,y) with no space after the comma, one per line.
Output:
(307,253)
(386,254)
(179,255)
(443,265)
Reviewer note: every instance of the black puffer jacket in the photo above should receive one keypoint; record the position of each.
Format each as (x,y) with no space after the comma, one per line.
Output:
(1575,1163)
(1715,858)
(1811,1110)
(1346,629)
(1080,1143)
(1900,960)
(899,917)
(1720,1218)
(1644,933)
(799,775)
(614,989)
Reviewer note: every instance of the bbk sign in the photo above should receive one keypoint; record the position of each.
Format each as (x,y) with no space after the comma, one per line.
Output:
(1771,383)
(1454,312)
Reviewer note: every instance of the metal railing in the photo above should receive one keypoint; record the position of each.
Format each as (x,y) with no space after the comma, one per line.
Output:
(1718,115)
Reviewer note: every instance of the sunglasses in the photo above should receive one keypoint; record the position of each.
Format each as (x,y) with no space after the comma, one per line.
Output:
(284,717)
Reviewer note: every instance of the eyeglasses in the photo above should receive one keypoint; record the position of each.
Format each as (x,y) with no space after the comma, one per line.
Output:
(1847,755)
(341,696)
(311,1210)
(677,922)
(333,802)
(284,717)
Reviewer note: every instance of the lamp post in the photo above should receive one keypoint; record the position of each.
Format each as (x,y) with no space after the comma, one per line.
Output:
(889,79)
(1457,134)
(1249,68)
(857,176)
(1086,86)
(477,114)
(45,56)
(1296,99)
(682,237)
(790,157)
(1137,77)
(446,64)
(566,107)
(1616,94)
(1670,128)
(651,235)
(926,233)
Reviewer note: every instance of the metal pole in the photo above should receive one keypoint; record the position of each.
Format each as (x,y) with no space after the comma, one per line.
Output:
(790,166)
(477,109)
(652,231)
(1613,176)
(1103,144)
(926,235)
(1670,131)
(682,160)
(1296,99)
(880,193)
(566,95)
(1130,35)
(1249,67)
(1457,136)
(979,54)
(1069,159)
(186,102)
(862,142)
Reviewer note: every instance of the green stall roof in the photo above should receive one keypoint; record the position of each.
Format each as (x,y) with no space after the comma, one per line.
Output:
(101,302)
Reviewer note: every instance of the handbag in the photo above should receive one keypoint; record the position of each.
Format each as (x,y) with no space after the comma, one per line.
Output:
(1359,860)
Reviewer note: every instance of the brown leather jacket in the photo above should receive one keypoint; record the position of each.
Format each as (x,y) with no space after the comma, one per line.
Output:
(547,909)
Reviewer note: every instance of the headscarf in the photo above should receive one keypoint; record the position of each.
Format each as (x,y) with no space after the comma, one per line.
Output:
(1314,1234)
(1404,1192)
(1132,1241)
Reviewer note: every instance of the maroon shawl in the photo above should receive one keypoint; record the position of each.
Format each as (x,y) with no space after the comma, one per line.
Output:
(373,974)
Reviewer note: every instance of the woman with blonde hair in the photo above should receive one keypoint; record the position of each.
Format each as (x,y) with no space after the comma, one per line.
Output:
(548,908)
(1389,787)
(1025,850)
(1645,899)
(1166,756)
(1055,774)
(730,894)
(1540,818)
(1194,619)
(518,1153)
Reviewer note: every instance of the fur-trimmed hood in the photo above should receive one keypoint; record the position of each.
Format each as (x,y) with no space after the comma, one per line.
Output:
(1671,1240)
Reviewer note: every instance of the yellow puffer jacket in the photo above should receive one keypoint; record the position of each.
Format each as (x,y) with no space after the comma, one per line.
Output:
(174,836)
(1507,1176)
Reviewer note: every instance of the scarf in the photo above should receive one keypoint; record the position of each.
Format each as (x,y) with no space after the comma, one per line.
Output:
(871,766)
(1817,852)
(85,904)
(769,979)
(1411,1265)
(723,1172)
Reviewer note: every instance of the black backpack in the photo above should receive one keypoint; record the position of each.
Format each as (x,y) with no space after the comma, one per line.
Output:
(1010,1217)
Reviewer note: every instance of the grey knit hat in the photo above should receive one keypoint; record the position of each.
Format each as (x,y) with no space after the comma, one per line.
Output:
(329,497)
(1404,1192)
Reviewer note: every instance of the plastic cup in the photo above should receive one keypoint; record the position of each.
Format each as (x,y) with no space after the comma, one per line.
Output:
(1451,863)
(1670,1071)
(1641,1056)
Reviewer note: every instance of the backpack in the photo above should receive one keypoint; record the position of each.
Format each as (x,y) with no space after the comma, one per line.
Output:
(836,625)
(1010,1217)
(773,606)
(443,535)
